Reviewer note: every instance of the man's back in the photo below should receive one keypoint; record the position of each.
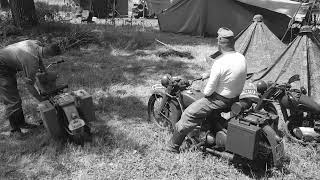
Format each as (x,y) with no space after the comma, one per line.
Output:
(21,56)
(228,75)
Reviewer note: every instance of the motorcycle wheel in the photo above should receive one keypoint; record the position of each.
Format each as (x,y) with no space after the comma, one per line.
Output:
(165,118)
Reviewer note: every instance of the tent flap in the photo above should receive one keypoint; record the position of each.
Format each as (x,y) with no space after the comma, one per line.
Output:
(259,45)
(301,57)
(180,17)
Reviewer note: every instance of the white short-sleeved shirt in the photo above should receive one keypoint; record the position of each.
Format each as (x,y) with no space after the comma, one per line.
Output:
(228,75)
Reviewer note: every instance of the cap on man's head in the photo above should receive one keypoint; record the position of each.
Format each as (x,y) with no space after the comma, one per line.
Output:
(225,35)
(225,32)
(51,50)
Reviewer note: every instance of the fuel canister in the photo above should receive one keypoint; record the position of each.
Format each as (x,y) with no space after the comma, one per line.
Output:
(50,119)
(242,138)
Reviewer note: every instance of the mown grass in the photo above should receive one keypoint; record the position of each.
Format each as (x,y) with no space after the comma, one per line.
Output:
(125,145)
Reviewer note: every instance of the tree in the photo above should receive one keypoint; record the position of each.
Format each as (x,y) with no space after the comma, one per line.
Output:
(4,4)
(23,12)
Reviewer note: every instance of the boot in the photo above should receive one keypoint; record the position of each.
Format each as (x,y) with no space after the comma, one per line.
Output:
(175,142)
(15,120)
(22,123)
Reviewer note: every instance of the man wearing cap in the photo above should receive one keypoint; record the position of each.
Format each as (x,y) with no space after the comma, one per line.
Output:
(23,56)
(226,81)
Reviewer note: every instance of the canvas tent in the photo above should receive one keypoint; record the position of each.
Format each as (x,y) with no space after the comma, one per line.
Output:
(204,17)
(300,57)
(157,6)
(258,44)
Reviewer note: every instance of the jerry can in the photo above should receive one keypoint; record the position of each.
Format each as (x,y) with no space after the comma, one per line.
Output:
(50,119)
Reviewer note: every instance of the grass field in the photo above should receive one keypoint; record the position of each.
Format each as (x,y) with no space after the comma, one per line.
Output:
(119,74)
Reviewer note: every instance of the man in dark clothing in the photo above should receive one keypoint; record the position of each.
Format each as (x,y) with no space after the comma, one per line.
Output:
(23,56)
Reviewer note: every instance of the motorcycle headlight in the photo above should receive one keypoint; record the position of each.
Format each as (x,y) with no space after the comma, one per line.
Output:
(262,86)
(165,80)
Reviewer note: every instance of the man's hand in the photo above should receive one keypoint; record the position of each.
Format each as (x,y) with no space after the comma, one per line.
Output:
(205,76)
(34,92)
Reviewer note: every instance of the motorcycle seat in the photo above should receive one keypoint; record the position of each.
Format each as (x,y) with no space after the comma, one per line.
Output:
(225,110)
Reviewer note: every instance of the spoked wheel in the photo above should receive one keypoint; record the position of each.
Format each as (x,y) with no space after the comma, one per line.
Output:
(164,118)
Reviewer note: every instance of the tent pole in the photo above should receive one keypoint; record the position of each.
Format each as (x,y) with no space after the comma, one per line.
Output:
(113,12)
(144,3)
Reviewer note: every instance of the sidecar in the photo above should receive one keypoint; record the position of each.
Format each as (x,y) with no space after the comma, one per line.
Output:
(68,114)
(64,114)
(252,137)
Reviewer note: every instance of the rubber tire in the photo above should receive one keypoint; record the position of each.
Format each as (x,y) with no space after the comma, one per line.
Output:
(79,137)
(174,112)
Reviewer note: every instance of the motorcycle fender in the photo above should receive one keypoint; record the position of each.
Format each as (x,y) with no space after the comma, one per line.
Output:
(162,93)
(276,143)
(159,92)
(166,98)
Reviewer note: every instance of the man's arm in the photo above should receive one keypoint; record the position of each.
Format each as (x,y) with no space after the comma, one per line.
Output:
(213,80)
(34,92)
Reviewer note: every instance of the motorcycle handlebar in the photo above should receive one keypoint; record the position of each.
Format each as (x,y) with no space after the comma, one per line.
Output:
(57,62)
(193,80)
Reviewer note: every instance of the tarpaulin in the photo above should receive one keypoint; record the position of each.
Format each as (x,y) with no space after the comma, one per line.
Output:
(259,45)
(286,7)
(156,6)
(204,17)
(300,57)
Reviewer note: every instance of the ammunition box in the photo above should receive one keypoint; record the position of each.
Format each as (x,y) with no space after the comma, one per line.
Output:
(242,138)
(50,119)
(85,105)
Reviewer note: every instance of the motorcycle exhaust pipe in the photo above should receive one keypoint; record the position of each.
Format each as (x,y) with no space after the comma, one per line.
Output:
(225,155)
(306,133)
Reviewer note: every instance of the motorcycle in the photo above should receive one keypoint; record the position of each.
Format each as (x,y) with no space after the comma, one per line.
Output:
(65,115)
(245,133)
(300,112)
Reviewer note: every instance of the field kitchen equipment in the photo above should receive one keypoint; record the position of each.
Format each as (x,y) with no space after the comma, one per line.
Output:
(65,115)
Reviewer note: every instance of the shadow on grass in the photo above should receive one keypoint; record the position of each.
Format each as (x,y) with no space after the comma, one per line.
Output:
(18,152)
(100,69)
(258,170)
(124,107)
(108,139)
(34,143)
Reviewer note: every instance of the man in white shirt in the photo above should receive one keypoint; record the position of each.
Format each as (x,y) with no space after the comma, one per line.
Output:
(226,81)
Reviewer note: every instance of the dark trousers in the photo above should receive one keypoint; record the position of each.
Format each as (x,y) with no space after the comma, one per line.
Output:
(200,109)
(9,95)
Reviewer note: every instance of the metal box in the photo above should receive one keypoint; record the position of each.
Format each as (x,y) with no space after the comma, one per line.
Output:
(50,119)
(85,105)
(242,138)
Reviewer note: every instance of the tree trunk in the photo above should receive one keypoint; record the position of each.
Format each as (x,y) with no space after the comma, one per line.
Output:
(23,12)
(4,4)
